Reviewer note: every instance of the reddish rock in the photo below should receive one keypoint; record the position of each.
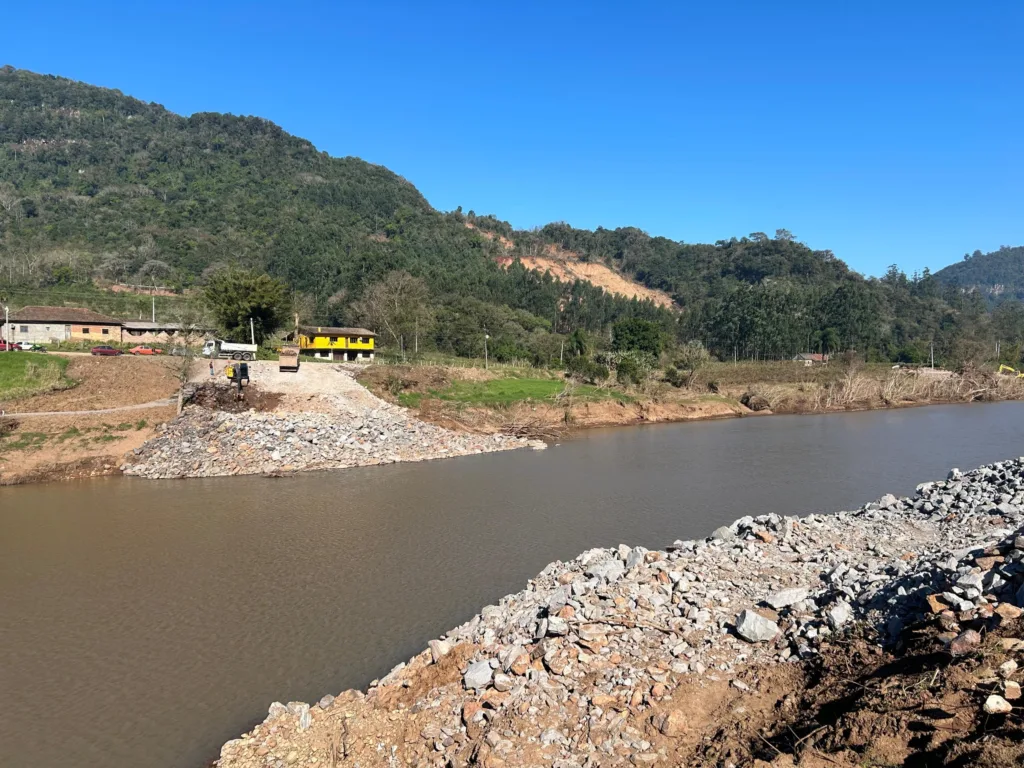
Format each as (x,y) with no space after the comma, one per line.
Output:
(671,723)
(471,711)
(764,536)
(605,701)
(1008,612)
(935,604)
(520,665)
(987,563)
(965,642)
(494,699)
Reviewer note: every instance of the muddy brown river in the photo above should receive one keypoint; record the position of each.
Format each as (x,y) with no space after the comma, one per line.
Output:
(144,623)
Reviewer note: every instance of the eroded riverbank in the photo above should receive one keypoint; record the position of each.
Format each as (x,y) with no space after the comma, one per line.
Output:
(628,656)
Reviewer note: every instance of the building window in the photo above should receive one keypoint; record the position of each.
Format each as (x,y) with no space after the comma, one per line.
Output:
(85,330)
(23,328)
(106,331)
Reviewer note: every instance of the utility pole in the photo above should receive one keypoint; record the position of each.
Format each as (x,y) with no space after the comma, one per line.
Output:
(252,331)
(7,327)
(486,337)
(932,347)
(154,309)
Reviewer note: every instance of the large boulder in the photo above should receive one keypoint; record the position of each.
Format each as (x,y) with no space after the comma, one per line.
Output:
(478,675)
(755,628)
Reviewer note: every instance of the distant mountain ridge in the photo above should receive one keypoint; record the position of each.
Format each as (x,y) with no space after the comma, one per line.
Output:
(999,274)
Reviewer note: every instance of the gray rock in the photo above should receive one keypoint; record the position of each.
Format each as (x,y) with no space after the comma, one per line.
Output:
(723,534)
(609,570)
(478,675)
(787,597)
(755,628)
(438,650)
(887,501)
(971,581)
(997,705)
(839,614)
(557,626)
(635,558)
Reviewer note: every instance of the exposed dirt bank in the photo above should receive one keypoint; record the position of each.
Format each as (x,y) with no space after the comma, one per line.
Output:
(889,635)
(70,444)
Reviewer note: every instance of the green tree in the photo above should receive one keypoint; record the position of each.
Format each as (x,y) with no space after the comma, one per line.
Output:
(236,296)
(637,334)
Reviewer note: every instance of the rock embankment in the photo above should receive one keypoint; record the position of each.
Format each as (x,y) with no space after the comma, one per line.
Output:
(343,427)
(627,656)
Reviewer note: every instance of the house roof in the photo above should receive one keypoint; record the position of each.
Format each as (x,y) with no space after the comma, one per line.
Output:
(815,356)
(327,331)
(145,325)
(61,315)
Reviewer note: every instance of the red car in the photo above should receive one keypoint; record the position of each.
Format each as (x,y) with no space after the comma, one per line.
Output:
(12,347)
(105,349)
(144,350)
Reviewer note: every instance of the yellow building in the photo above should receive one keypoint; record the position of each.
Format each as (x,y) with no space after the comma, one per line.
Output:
(336,343)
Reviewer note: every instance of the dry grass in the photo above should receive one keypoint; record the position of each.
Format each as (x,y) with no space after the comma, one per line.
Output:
(866,388)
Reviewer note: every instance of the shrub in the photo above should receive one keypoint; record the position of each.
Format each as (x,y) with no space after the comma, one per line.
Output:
(586,370)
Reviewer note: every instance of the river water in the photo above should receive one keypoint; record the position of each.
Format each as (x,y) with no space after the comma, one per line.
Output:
(144,623)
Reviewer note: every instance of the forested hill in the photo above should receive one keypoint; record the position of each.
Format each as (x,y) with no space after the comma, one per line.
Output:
(999,274)
(97,187)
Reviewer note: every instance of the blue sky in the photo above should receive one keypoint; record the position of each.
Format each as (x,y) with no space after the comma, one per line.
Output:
(888,132)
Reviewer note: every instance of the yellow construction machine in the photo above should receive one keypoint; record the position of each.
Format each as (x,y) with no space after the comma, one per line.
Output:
(1012,371)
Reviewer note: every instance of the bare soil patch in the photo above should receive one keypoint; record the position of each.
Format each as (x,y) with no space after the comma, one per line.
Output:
(66,447)
(220,396)
(106,382)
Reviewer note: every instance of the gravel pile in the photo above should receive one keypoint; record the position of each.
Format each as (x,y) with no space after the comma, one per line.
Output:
(592,644)
(207,443)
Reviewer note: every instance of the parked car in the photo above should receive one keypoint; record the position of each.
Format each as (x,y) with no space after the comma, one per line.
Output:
(12,347)
(28,346)
(105,349)
(142,349)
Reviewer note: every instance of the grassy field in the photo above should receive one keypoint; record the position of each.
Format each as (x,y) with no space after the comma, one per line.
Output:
(506,391)
(27,373)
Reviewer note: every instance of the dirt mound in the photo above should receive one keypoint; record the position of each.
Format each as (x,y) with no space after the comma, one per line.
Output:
(218,396)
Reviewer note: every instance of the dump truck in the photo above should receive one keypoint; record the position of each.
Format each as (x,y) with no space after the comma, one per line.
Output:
(288,358)
(218,348)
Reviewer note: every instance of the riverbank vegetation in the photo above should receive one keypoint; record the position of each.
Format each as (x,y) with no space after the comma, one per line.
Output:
(551,402)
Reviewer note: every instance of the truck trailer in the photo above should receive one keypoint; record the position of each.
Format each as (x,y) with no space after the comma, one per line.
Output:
(218,348)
